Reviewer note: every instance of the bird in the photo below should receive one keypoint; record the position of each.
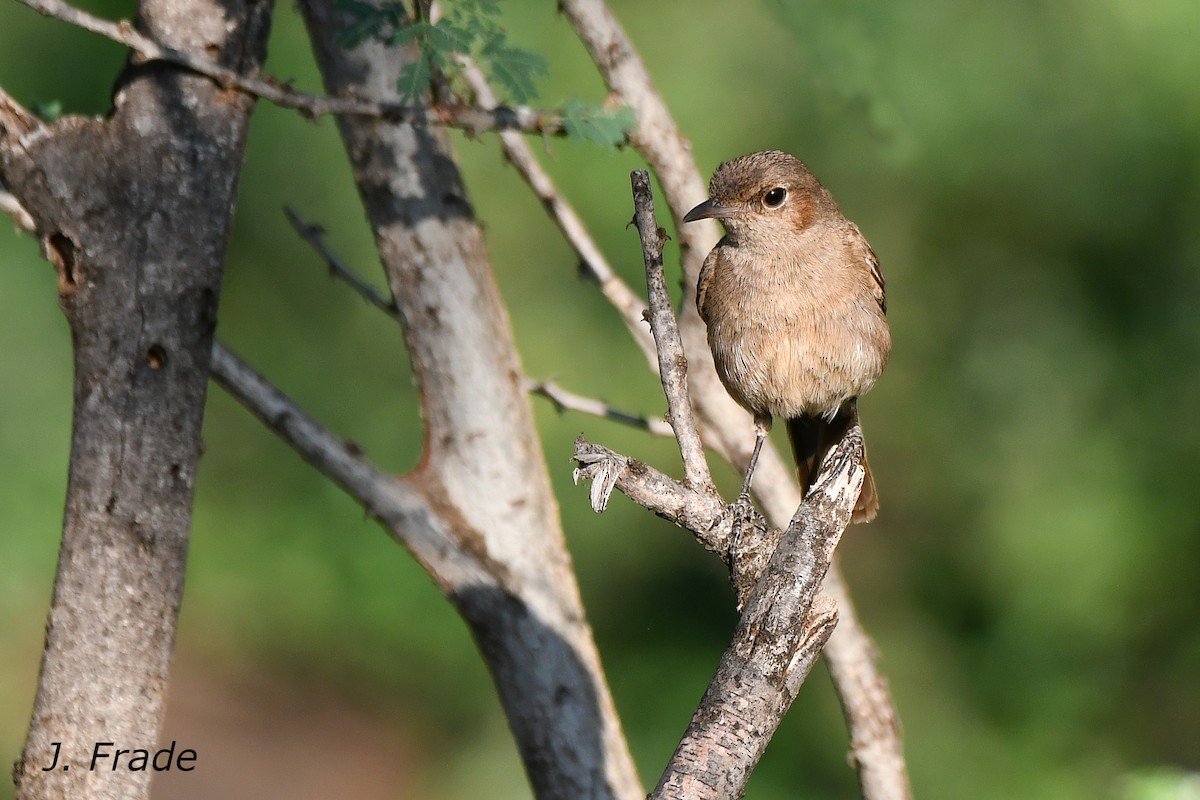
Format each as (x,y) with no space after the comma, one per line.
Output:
(795,306)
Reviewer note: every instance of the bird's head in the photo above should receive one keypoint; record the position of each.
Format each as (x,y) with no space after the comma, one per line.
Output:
(770,192)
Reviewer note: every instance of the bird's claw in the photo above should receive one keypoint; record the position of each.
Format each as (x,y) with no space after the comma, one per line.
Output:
(745,520)
(742,510)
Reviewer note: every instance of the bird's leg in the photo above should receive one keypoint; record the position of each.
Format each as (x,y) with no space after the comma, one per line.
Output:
(759,438)
(744,515)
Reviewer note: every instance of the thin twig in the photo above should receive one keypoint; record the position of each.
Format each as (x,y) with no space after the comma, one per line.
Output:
(672,365)
(314,235)
(468,118)
(657,137)
(564,400)
(592,261)
(776,643)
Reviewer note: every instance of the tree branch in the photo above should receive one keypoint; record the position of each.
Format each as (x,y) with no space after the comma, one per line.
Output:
(314,235)
(725,426)
(700,512)
(777,641)
(784,626)
(483,466)
(564,400)
(399,504)
(470,119)
(657,137)
(16,123)
(13,208)
(592,262)
(672,365)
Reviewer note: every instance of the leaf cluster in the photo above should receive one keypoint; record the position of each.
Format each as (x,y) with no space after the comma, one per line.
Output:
(467,28)
(472,28)
(607,127)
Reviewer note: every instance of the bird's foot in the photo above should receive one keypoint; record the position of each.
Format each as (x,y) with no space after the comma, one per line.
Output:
(746,531)
(746,520)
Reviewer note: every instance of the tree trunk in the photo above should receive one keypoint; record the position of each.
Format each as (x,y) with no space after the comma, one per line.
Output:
(135,213)
(483,467)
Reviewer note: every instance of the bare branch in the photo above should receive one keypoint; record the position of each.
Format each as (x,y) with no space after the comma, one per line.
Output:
(314,235)
(725,426)
(337,458)
(657,137)
(470,119)
(672,365)
(876,747)
(592,261)
(16,122)
(701,513)
(785,625)
(776,642)
(483,465)
(396,502)
(564,400)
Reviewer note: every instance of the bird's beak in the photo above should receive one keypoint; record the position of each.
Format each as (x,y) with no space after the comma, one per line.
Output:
(710,209)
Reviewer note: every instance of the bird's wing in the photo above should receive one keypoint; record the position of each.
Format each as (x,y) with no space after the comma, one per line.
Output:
(858,244)
(706,273)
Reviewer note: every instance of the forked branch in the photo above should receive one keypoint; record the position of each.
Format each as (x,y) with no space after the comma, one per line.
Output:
(777,574)
(672,364)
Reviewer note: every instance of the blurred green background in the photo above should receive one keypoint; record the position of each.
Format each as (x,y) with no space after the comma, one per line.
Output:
(1029,175)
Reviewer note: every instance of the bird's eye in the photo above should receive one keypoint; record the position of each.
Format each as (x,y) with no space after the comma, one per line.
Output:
(775,197)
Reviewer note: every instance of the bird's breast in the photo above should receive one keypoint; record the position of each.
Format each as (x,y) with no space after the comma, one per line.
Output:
(787,342)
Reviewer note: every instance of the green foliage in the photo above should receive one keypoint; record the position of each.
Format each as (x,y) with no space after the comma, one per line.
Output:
(415,78)
(512,68)
(608,127)
(367,20)
(472,28)
(468,28)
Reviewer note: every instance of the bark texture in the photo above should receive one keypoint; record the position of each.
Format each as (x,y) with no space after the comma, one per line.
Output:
(483,471)
(134,211)
(777,641)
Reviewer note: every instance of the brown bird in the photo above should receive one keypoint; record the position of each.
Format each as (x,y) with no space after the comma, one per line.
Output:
(795,307)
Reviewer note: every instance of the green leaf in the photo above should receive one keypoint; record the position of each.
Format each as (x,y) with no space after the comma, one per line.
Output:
(364,20)
(478,18)
(447,37)
(414,31)
(606,127)
(513,69)
(484,8)
(469,27)
(414,80)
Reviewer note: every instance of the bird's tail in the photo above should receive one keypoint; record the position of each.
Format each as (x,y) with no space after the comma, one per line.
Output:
(812,438)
